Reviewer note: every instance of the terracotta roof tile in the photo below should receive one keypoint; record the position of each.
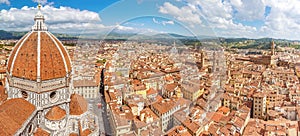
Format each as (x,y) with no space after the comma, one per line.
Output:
(178,131)
(13,113)
(52,64)
(25,64)
(191,125)
(68,61)
(78,105)
(164,106)
(86,132)
(224,110)
(170,87)
(151,91)
(73,134)
(85,83)
(55,113)
(15,50)
(3,94)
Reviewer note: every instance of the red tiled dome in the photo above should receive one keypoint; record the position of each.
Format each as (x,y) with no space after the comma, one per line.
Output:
(55,113)
(39,54)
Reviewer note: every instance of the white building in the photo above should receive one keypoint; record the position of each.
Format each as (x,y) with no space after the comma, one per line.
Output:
(89,89)
(165,110)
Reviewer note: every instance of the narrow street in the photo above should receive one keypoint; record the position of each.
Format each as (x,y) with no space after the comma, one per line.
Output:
(103,118)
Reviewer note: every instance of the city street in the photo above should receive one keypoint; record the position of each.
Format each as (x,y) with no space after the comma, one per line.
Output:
(104,124)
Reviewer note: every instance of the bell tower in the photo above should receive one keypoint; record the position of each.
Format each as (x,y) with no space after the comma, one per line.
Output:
(273,48)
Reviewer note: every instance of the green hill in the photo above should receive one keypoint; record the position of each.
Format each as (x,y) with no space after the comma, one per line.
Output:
(7,35)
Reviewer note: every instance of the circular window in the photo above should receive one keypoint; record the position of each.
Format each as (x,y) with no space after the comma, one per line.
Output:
(53,97)
(24,94)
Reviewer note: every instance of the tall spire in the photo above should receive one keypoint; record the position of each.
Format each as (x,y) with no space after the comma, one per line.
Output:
(39,24)
(272,48)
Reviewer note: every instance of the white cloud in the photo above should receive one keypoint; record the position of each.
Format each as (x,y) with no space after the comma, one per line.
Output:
(249,9)
(123,28)
(5,2)
(138,30)
(170,22)
(212,8)
(224,16)
(218,14)
(283,20)
(185,14)
(236,3)
(43,2)
(64,19)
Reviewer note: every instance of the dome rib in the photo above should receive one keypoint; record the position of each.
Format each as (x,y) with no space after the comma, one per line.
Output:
(59,49)
(39,57)
(25,62)
(14,51)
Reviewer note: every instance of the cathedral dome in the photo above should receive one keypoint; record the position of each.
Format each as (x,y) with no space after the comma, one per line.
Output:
(39,55)
(55,113)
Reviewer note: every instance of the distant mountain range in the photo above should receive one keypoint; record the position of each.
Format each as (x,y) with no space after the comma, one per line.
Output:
(135,36)
(113,35)
(169,38)
(8,35)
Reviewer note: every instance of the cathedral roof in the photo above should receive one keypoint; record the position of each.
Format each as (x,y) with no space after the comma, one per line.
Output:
(39,55)
(13,114)
(55,113)
(78,105)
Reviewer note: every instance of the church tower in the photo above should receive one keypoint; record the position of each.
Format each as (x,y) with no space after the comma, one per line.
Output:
(272,48)
(202,53)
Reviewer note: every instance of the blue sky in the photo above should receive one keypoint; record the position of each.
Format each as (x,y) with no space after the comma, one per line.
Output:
(92,5)
(223,18)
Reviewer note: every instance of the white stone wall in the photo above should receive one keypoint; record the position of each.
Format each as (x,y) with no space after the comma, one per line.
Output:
(88,92)
(55,125)
(53,84)
(38,87)
(42,100)
(85,120)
